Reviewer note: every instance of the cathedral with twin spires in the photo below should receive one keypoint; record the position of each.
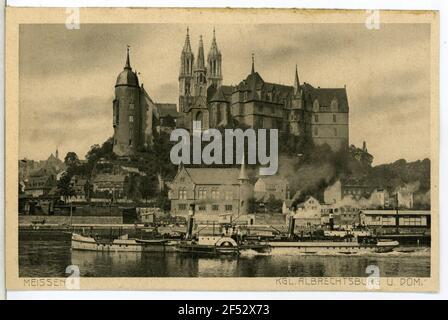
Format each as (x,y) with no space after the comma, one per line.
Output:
(300,109)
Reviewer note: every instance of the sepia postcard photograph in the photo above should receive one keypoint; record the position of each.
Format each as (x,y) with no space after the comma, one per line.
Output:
(222,149)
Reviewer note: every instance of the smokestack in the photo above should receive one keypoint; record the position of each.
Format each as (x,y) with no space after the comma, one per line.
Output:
(292,222)
(190,223)
(331,221)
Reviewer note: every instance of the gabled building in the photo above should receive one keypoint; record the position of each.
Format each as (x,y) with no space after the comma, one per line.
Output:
(271,186)
(110,186)
(40,183)
(211,191)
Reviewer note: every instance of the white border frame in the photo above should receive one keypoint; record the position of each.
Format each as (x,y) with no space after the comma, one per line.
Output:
(440,5)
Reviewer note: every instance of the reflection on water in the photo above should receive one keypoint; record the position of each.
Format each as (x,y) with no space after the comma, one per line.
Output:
(50,258)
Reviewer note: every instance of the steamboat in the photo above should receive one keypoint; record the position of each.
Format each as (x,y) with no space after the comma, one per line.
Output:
(232,239)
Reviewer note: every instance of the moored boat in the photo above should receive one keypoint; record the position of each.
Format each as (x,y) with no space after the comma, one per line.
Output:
(353,247)
(121,244)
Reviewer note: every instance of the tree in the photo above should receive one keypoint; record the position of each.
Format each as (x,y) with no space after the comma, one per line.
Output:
(158,156)
(146,187)
(88,190)
(274,205)
(64,187)
(71,159)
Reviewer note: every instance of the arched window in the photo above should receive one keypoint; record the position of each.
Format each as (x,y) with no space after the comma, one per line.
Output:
(199,116)
(316,105)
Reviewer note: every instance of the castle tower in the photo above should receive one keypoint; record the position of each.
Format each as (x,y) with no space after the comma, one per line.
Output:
(296,112)
(126,111)
(296,84)
(185,75)
(200,73)
(246,189)
(214,60)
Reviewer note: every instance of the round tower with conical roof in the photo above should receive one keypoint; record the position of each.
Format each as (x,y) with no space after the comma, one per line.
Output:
(126,111)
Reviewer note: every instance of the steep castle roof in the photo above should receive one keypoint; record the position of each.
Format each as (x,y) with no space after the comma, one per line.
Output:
(127,77)
(167,109)
(326,95)
(214,176)
(222,94)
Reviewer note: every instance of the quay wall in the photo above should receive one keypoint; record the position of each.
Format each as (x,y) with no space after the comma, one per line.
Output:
(27,219)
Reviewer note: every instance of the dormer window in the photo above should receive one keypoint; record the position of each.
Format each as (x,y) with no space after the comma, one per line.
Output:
(334,104)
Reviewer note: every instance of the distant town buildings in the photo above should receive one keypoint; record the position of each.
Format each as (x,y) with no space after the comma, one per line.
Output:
(356,194)
(52,165)
(40,183)
(308,213)
(361,154)
(110,186)
(271,187)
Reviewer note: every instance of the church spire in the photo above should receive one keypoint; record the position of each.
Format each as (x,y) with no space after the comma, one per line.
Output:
(187,46)
(296,82)
(214,61)
(128,63)
(200,62)
(253,64)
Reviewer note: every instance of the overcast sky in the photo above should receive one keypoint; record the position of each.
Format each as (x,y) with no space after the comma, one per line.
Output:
(67,77)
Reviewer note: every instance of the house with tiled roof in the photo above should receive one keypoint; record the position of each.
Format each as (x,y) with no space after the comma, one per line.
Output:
(110,186)
(40,182)
(271,186)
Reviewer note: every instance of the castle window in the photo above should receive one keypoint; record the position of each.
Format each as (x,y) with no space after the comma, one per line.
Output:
(335,131)
(182,193)
(229,195)
(131,119)
(228,207)
(202,193)
(215,194)
(334,118)
(215,207)
(202,207)
(182,206)
(316,118)
(131,107)
(316,132)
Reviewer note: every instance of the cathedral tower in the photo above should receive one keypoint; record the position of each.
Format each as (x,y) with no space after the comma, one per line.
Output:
(127,118)
(200,73)
(214,60)
(186,75)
